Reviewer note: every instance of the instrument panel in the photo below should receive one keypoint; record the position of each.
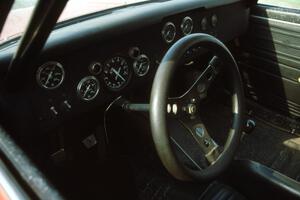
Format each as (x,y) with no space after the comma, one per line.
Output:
(124,65)
(113,74)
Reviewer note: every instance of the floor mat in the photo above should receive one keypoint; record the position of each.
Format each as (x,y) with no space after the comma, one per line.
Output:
(267,145)
(273,148)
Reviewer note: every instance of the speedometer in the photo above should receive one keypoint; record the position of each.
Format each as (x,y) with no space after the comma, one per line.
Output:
(116,73)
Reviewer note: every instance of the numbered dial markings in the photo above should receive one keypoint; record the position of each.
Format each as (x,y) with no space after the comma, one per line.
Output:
(50,75)
(141,65)
(116,74)
(88,88)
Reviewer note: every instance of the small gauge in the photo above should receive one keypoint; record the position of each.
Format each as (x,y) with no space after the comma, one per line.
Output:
(169,32)
(187,26)
(214,20)
(116,73)
(204,24)
(50,75)
(141,65)
(88,88)
(95,68)
(134,52)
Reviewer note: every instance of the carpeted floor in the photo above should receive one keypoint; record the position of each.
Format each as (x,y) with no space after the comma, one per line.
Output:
(273,148)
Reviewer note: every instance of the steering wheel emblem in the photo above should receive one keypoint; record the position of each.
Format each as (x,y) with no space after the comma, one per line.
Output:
(199,131)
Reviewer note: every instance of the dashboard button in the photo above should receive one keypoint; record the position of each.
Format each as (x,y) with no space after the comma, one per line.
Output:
(53,110)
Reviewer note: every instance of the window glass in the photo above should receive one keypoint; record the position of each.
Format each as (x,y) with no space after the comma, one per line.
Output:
(20,14)
(294,4)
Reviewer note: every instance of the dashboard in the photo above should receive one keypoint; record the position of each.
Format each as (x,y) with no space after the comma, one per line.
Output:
(83,69)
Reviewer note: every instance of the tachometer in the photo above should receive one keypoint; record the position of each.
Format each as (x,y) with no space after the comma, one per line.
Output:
(50,75)
(88,88)
(116,73)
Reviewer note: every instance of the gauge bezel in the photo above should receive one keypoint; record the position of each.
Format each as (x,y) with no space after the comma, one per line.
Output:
(92,65)
(163,30)
(80,84)
(42,67)
(135,64)
(182,25)
(129,74)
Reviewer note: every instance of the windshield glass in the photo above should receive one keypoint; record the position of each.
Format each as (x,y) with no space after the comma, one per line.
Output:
(19,16)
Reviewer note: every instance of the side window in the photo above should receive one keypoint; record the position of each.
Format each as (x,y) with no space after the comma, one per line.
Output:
(293,4)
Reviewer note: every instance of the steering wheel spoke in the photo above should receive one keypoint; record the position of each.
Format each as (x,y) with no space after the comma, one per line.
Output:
(206,143)
(199,88)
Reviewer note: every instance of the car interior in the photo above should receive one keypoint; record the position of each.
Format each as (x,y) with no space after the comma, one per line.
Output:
(157,100)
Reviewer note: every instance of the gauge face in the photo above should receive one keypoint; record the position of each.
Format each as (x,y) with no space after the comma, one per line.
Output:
(50,75)
(169,32)
(116,73)
(187,26)
(141,65)
(88,88)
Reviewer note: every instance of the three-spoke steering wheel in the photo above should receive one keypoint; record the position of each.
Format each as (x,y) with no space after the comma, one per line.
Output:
(160,105)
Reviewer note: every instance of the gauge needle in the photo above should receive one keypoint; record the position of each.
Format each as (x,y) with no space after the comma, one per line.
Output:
(49,77)
(118,73)
(86,91)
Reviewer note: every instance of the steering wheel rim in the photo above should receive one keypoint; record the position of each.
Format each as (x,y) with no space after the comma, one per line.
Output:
(158,111)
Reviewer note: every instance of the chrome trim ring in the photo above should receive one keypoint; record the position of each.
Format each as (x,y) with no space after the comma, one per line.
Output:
(41,68)
(164,34)
(136,71)
(80,85)
(187,18)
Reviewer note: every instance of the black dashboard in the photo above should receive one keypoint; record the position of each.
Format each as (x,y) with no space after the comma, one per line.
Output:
(87,64)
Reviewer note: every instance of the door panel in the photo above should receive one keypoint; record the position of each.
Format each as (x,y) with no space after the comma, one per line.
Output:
(270,58)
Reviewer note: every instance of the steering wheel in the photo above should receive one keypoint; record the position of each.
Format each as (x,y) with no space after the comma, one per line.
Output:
(185,108)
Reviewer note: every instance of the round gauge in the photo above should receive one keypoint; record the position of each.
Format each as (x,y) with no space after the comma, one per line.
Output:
(88,88)
(187,26)
(134,52)
(141,65)
(95,68)
(50,75)
(204,24)
(169,32)
(214,20)
(116,73)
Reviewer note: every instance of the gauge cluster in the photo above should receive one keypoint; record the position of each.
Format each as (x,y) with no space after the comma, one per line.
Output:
(112,74)
(176,27)
(79,81)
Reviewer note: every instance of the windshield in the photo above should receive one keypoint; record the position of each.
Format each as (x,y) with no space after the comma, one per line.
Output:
(22,9)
